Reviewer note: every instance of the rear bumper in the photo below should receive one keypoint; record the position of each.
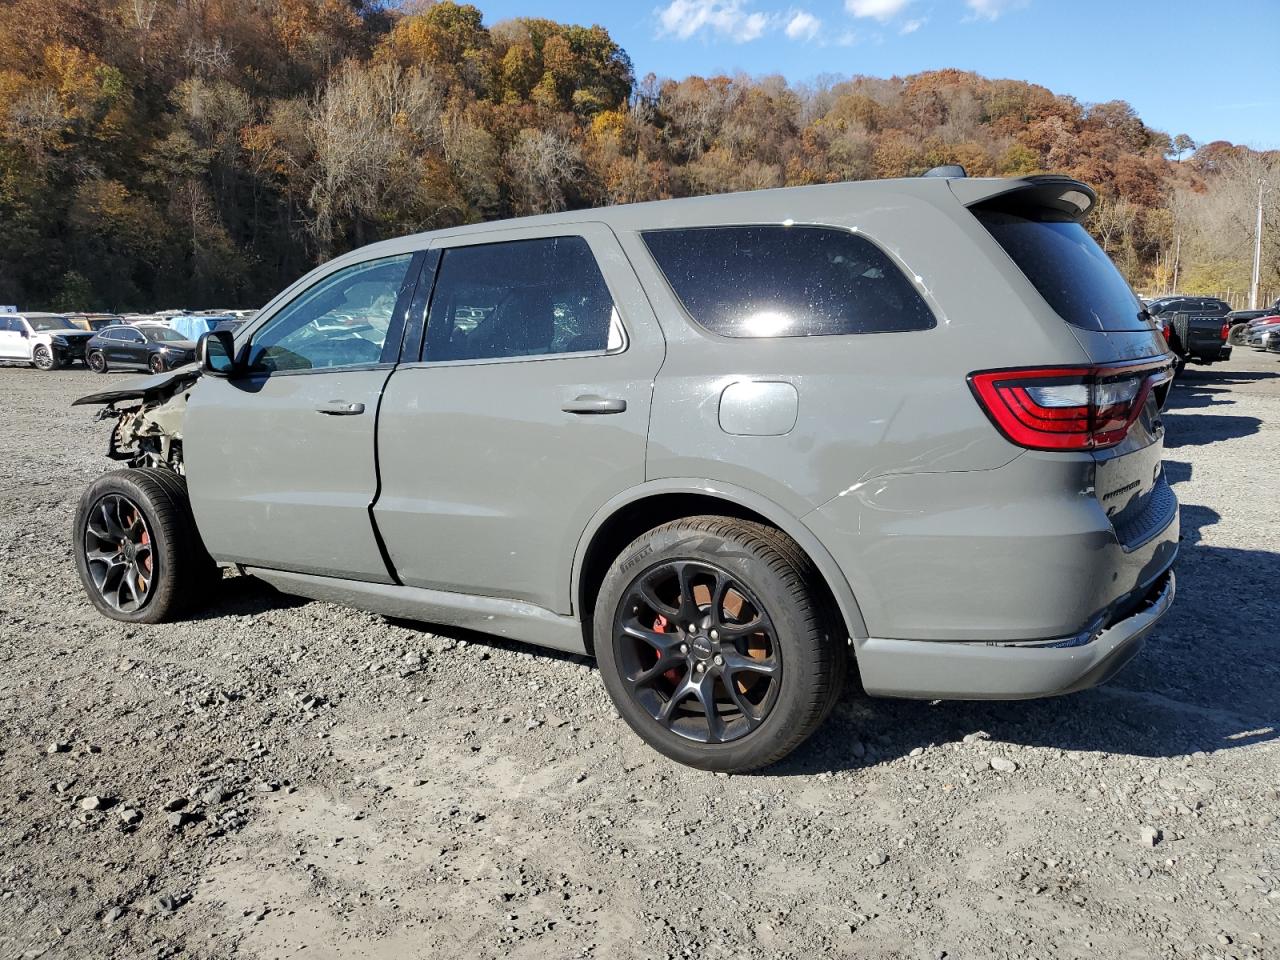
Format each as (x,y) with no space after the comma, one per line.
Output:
(948,670)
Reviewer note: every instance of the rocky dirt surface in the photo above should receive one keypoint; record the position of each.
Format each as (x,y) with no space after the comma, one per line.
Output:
(279,778)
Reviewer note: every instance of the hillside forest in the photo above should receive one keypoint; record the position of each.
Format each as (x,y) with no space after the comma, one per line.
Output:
(205,153)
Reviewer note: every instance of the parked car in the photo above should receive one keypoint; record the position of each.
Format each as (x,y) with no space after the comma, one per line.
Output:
(93,321)
(1197,327)
(147,346)
(45,340)
(719,443)
(1256,329)
(1271,340)
(1240,318)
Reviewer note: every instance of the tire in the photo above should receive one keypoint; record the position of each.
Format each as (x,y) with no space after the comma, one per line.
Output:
(794,663)
(96,361)
(1236,334)
(43,358)
(164,566)
(155,363)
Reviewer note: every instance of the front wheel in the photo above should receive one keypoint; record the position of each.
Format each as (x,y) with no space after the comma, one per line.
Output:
(136,546)
(717,644)
(156,363)
(96,362)
(44,358)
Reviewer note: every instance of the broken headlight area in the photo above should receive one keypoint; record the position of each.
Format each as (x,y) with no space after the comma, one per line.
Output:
(148,415)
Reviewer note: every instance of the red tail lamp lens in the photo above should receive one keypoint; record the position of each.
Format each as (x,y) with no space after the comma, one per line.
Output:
(1066,408)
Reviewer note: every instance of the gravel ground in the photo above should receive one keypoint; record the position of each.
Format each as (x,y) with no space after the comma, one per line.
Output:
(281,778)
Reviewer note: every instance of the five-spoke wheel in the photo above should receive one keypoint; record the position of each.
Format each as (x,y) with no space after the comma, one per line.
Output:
(137,549)
(118,551)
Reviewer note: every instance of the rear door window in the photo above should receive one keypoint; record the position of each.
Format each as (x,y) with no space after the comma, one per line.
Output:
(520,298)
(786,281)
(1073,274)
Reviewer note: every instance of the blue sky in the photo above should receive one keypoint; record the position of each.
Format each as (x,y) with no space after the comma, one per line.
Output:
(1210,68)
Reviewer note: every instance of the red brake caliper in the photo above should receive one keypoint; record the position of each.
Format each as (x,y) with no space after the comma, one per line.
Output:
(660,625)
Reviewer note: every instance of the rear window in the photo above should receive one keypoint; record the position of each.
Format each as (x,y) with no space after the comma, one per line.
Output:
(781,281)
(1066,266)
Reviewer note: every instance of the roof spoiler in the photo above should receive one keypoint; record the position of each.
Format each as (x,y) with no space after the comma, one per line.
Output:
(1057,192)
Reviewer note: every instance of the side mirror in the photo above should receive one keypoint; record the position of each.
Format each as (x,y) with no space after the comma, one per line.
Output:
(216,352)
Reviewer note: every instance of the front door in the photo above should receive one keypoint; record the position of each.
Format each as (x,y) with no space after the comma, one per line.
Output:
(528,411)
(281,459)
(126,349)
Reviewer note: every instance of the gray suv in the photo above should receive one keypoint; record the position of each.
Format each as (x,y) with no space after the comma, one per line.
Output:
(722,444)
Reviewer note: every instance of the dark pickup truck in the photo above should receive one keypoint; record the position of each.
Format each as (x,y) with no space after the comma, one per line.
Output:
(1239,319)
(1197,327)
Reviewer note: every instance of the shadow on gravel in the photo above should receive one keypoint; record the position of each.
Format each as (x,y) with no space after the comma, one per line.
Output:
(1191,430)
(244,597)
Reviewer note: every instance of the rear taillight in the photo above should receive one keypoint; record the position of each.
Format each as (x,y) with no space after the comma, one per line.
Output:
(1067,408)
(1226,330)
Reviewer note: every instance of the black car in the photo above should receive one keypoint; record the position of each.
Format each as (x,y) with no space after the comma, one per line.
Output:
(1240,319)
(153,347)
(1197,327)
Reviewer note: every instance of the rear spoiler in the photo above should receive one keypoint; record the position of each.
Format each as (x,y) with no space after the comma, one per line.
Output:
(1067,196)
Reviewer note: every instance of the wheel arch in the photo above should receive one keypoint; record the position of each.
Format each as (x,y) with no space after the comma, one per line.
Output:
(656,502)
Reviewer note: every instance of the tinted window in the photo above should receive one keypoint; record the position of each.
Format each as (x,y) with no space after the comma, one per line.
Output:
(162,334)
(342,321)
(1067,267)
(131,336)
(5,324)
(523,298)
(51,323)
(778,281)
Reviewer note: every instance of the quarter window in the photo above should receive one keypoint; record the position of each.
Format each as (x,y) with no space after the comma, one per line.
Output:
(782,281)
(342,321)
(520,298)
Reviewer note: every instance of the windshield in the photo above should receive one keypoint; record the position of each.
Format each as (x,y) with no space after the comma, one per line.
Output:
(1067,267)
(161,334)
(50,323)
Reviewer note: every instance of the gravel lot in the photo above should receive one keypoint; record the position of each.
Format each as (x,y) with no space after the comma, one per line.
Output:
(281,778)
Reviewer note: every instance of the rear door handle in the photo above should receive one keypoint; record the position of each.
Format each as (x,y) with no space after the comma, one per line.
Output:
(590,403)
(340,408)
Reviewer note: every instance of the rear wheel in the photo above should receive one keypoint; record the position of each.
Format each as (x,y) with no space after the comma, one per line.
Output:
(44,358)
(96,362)
(716,643)
(136,546)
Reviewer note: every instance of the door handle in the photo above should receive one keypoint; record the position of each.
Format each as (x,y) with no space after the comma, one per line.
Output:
(590,403)
(340,408)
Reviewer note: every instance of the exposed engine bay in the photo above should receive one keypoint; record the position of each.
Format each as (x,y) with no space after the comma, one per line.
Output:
(149,413)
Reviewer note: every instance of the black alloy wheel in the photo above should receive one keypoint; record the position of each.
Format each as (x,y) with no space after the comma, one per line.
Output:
(119,553)
(698,651)
(718,642)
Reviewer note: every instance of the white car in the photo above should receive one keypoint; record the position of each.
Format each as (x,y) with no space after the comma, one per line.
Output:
(45,340)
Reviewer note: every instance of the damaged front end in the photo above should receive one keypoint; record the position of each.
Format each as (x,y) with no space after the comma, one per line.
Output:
(149,412)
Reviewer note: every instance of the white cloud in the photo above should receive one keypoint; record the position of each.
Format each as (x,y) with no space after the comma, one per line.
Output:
(992,9)
(882,10)
(728,19)
(803,26)
(911,26)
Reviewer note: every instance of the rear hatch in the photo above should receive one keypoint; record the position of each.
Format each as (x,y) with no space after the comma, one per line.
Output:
(1038,224)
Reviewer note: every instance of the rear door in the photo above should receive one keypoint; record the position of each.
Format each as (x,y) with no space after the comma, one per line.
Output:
(282,468)
(528,411)
(10,339)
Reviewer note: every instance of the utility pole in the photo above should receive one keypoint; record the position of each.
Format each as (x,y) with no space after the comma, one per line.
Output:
(1257,251)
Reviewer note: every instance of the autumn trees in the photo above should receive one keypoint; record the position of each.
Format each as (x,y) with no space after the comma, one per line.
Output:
(206,152)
